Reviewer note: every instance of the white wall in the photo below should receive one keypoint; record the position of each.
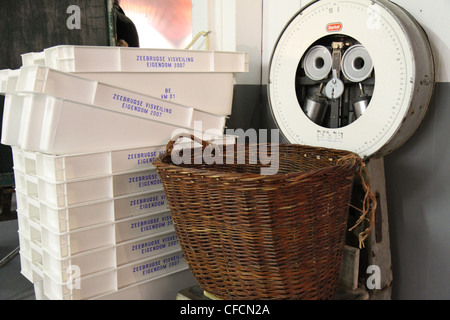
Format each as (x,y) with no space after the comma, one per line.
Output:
(235,25)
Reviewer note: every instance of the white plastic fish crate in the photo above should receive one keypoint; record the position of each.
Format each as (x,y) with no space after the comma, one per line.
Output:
(30,239)
(85,287)
(65,193)
(85,263)
(12,109)
(144,225)
(21,199)
(33,58)
(30,269)
(31,257)
(147,103)
(112,280)
(8,80)
(3,79)
(145,247)
(159,288)
(210,92)
(30,228)
(39,79)
(70,192)
(150,268)
(68,205)
(65,244)
(139,204)
(67,167)
(43,123)
(65,219)
(20,185)
(18,158)
(13,116)
(58,168)
(24,161)
(94,58)
(70,243)
(56,126)
(105,258)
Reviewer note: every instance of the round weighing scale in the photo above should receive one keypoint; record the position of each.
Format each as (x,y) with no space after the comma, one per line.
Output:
(356,75)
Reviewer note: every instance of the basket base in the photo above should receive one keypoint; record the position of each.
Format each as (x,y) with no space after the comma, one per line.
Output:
(210,296)
(342,293)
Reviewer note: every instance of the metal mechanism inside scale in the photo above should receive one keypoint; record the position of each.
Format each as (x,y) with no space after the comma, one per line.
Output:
(333,77)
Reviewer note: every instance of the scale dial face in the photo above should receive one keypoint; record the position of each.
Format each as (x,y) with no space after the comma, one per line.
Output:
(380,28)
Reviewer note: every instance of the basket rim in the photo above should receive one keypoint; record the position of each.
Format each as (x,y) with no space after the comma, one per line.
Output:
(226,175)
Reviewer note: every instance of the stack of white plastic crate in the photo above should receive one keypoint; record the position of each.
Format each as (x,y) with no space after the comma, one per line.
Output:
(85,124)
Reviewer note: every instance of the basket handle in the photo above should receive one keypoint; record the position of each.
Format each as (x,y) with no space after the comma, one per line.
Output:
(170,145)
(369,202)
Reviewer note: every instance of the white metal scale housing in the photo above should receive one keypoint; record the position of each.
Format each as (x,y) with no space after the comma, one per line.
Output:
(356,75)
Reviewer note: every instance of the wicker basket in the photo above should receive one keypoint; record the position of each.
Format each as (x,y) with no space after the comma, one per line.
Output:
(252,236)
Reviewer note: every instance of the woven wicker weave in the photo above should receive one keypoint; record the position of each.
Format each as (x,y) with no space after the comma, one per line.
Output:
(252,236)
